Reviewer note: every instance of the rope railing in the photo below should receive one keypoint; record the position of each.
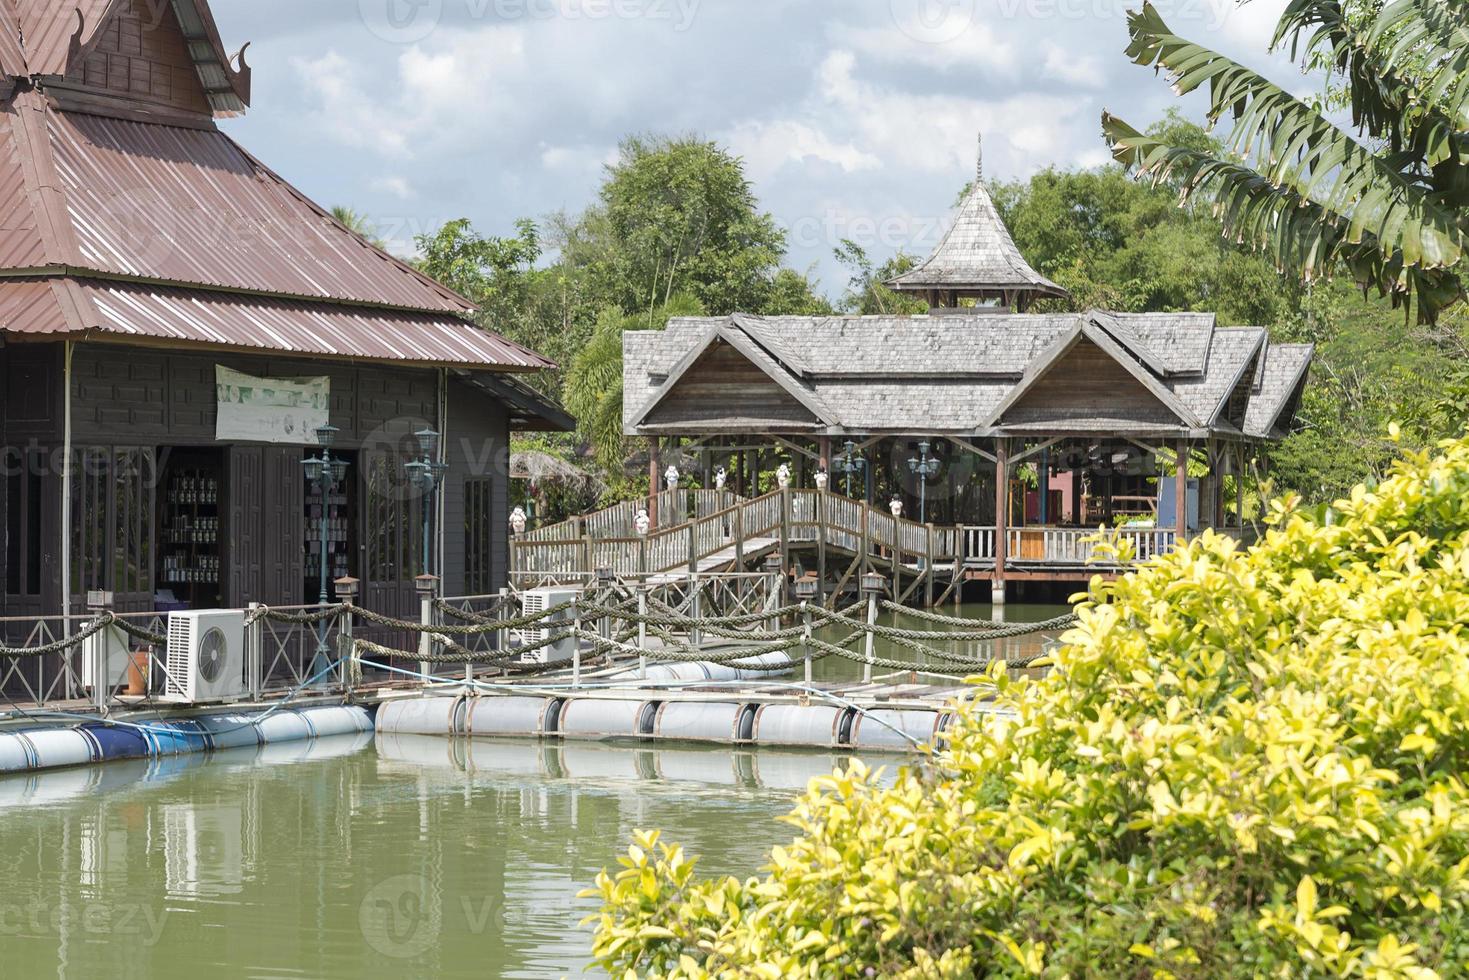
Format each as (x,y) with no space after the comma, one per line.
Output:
(761,636)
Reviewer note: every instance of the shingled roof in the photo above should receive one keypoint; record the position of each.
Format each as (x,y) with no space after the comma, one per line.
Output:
(977,259)
(125,214)
(977,375)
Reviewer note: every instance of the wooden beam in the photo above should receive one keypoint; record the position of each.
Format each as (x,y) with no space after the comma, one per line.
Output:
(795,448)
(1002,507)
(655,478)
(1180,490)
(970,447)
(1033,450)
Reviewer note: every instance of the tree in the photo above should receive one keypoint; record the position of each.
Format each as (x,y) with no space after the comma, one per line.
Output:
(1292,184)
(676,215)
(867,292)
(1244,763)
(594,379)
(1118,244)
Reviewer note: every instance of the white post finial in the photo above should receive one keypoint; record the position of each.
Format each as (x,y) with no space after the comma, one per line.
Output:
(979,159)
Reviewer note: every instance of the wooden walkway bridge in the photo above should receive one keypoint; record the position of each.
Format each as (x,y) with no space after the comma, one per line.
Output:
(831,537)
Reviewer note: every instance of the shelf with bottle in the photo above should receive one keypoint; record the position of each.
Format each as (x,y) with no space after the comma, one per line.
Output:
(187,570)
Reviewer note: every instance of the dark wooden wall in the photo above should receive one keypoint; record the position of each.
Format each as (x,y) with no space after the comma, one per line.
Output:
(133,397)
(1087,383)
(143,55)
(478,447)
(159,398)
(723,386)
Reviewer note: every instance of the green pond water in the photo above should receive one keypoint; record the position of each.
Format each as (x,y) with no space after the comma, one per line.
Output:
(366,856)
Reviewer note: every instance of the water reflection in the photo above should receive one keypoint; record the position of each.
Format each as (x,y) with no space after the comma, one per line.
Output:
(337,859)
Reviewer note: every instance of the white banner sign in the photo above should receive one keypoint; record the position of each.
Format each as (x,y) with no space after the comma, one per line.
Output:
(288,410)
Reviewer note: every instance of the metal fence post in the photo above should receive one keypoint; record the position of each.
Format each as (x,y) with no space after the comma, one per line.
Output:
(94,650)
(806,638)
(428,587)
(696,610)
(255,652)
(576,643)
(502,635)
(351,666)
(874,586)
(643,632)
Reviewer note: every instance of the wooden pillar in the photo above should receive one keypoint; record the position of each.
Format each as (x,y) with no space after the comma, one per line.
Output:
(1078,516)
(1180,490)
(655,477)
(824,450)
(1043,484)
(1239,485)
(1002,516)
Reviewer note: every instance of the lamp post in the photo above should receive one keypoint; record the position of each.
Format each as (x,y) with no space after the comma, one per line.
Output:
(850,462)
(923,468)
(426,473)
(325,473)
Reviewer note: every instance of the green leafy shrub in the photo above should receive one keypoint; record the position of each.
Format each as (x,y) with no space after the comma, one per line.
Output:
(1245,763)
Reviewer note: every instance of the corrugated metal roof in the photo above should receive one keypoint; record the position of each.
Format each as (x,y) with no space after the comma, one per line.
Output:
(48,26)
(12,55)
(197,316)
(21,246)
(31,307)
(190,206)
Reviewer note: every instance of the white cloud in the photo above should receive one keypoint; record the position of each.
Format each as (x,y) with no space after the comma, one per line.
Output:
(1073,67)
(396,186)
(346,112)
(976,48)
(766,146)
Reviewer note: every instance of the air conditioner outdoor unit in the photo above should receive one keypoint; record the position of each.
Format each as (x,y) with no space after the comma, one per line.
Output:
(538,601)
(206,656)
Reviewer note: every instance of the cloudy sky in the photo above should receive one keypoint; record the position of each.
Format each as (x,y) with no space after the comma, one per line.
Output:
(856,118)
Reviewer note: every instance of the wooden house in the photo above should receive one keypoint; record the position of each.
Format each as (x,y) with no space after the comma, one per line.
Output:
(177,320)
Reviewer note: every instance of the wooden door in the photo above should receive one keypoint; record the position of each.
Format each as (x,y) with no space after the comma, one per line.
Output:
(266,517)
(390,535)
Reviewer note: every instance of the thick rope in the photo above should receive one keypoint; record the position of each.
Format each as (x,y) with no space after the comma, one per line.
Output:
(979,624)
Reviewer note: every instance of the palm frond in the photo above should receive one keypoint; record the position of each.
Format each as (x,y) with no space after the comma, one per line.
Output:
(1383,101)
(1294,146)
(1295,231)
(1435,36)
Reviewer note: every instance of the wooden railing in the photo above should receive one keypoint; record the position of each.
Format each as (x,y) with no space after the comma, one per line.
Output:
(782,518)
(1063,545)
(802,517)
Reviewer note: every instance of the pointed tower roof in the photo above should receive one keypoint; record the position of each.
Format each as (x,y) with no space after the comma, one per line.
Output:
(977,259)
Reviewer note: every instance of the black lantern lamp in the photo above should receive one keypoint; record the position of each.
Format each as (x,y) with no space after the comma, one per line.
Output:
(325,473)
(426,474)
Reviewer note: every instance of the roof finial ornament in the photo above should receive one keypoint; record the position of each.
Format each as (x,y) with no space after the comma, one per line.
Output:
(979,159)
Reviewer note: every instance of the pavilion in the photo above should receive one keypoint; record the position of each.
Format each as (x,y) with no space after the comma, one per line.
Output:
(1033,427)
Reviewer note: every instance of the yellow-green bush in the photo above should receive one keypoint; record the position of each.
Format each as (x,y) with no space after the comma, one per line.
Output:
(1245,763)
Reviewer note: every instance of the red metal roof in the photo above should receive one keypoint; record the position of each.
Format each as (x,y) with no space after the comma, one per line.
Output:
(138,312)
(190,206)
(118,228)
